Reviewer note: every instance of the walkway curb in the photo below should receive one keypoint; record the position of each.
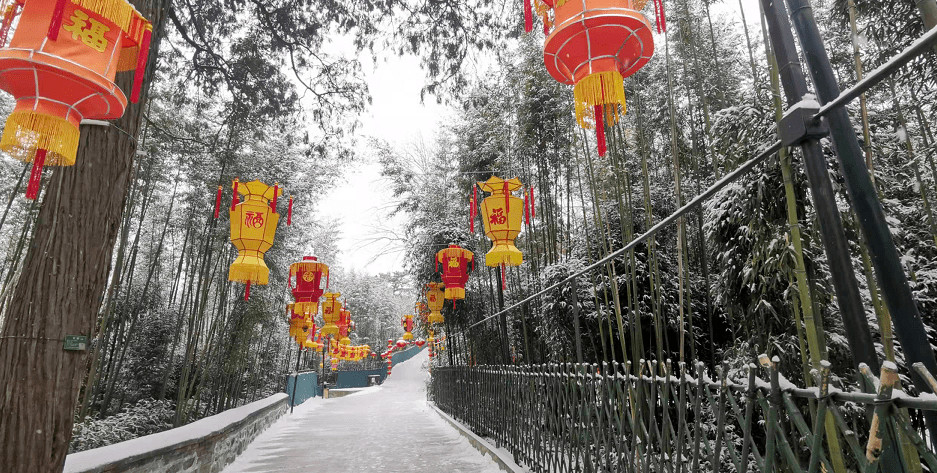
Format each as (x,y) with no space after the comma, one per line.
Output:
(480,444)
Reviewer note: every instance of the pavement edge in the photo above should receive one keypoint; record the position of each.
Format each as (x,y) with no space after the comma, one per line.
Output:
(480,444)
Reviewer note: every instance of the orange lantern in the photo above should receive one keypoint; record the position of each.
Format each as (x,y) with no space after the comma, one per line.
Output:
(455,265)
(60,67)
(331,310)
(253,226)
(435,299)
(595,45)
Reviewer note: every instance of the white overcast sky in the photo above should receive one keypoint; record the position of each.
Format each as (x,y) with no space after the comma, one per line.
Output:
(359,202)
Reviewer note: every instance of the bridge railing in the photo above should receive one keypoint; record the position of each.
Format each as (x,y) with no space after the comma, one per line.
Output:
(621,418)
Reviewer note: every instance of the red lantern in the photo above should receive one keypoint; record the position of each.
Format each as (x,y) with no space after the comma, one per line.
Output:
(60,68)
(455,266)
(595,45)
(306,279)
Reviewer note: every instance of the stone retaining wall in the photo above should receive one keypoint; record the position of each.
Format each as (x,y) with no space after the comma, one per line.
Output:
(204,446)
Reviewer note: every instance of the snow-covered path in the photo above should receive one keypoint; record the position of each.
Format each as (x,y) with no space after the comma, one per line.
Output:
(388,428)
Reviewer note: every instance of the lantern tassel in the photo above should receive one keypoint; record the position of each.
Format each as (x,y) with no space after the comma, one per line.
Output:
(247,290)
(273,202)
(528,17)
(218,202)
(56,23)
(289,212)
(600,129)
(141,65)
(35,176)
(663,17)
(533,208)
(507,200)
(234,195)
(504,278)
(526,209)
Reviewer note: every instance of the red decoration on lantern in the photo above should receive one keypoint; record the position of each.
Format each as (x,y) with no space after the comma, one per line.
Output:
(600,128)
(289,212)
(528,17)
(234,195)
(35,176)
(141,65)
(217,201)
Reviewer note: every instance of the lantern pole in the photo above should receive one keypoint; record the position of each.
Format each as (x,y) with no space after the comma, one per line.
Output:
(299,353)
(505,355)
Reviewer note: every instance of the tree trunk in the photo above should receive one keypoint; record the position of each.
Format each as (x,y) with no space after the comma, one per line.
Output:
(60,291)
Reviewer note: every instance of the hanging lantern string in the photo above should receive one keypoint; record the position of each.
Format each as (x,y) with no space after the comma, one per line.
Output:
(217,201)
(247,290)
(507,199)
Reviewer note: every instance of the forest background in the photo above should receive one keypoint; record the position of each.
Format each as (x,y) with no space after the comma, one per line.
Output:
(743,275)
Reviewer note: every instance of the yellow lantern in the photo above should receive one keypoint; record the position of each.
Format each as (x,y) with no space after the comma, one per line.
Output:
(253,226)
(504,214)
(407,322)
(435,299)
(331,310)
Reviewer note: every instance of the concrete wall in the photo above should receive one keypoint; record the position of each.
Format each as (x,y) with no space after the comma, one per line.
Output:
(204,446)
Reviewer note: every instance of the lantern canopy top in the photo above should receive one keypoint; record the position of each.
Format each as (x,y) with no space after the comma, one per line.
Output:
(258,188)
(495,185)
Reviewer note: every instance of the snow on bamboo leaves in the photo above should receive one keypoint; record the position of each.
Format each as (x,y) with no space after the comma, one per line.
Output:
(595,45)
(253,226)
(60,67)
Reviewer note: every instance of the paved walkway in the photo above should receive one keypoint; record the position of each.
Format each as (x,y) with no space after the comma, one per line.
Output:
(388,428)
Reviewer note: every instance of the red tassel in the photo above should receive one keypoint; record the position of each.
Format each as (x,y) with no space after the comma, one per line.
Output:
(504,278)
(234,195)
(327,280)
(600,129)
(546,25)
(507,200)
(437,265)
(533,208)
(289,212)
(56,22)
(142,56)
(8,17)
(453,304)
(35,176)
(247,290)
(471,216)
(663,16)
(526,210)
(273,202)
(218,202)
(528,17)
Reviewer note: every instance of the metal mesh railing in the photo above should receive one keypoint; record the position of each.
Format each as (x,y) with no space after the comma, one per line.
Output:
(620,418)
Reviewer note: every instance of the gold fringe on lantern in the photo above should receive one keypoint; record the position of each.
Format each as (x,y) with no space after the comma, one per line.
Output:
(306,308)
(455,293)
(504,253)
(27,131)
(308,267)
(601,88)
(242,272)
(118,12)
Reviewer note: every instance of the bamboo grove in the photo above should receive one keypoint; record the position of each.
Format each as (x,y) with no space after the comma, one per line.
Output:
(744,274)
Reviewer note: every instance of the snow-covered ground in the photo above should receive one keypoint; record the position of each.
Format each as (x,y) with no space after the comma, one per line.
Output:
(388,428)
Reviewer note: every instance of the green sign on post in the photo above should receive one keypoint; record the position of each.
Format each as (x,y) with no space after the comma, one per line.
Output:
(76,342)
